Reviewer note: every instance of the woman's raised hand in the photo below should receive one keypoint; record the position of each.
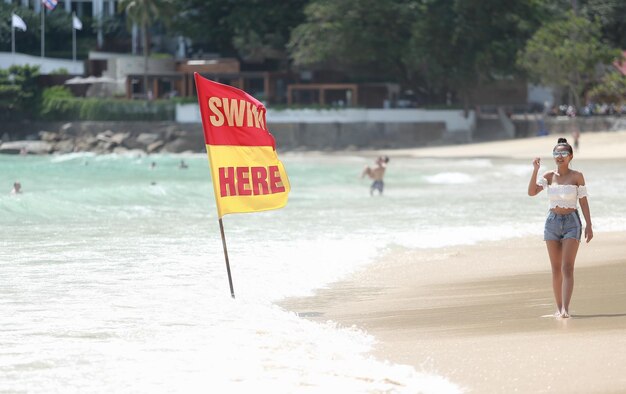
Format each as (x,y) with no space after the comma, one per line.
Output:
(537,163)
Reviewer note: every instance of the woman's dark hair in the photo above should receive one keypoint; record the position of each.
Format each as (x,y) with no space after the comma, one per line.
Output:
(563,142)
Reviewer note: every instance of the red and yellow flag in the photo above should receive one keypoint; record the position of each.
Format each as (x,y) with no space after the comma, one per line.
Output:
(247,175)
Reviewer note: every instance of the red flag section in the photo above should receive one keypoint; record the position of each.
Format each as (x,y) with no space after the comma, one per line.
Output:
(247,175)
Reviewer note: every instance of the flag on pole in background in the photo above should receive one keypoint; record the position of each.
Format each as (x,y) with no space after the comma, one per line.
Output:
(76,23)
(17,22)
(247,175)
(50,4)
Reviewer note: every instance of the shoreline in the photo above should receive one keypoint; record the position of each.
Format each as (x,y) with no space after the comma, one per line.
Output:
(164,137)
(480,315)
(601,145)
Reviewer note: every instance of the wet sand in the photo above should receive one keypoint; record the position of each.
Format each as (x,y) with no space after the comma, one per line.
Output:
(481,315)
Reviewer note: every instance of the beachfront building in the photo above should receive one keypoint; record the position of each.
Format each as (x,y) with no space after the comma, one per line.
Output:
(168,77)
(97,14)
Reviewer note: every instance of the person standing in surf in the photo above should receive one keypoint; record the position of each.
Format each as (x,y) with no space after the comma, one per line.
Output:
(376,174)
(563,227)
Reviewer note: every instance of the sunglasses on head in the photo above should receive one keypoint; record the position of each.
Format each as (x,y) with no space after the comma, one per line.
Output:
(562,153)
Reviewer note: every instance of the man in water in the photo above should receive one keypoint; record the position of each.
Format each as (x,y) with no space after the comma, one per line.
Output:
(377,173)
(17,188)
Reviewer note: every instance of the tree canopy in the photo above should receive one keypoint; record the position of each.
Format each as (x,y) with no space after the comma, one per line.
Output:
(458,44)
(18,91)
(434,44)
(611,89)
(367,36)
(566,54)
(435,48)
(255,30)
(144,13)
(611,15)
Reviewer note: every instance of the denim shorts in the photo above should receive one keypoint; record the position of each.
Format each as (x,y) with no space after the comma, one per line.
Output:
(559,227)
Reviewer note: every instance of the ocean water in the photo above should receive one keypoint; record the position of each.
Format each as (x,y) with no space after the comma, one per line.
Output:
(112,277)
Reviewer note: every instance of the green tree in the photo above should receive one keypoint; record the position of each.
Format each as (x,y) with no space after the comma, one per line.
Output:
(355,36)
(566,54)
(459,44)
(433,46)
(19,93)
(611,14)
(612,89)
(145,13)
(254,30)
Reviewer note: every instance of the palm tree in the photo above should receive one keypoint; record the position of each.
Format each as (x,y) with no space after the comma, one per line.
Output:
(145,13)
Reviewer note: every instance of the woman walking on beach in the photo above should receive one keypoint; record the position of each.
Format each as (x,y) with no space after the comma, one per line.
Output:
(563,227)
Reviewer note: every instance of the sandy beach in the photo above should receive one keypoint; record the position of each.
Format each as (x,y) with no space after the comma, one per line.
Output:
(593,145)
(480,315)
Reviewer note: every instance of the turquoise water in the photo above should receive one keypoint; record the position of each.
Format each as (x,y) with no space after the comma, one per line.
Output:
(113,278)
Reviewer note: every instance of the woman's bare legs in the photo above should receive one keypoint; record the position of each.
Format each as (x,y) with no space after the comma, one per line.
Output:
(555,252)
(562,258)
(569,251)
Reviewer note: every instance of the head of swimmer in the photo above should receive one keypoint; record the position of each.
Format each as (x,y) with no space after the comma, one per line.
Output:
(382,160)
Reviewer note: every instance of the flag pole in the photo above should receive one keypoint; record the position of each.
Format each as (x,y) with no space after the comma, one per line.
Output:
(43,30)
(73,39)
(230,280)
(12,37)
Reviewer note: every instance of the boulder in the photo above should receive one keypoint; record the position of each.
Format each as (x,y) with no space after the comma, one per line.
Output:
(146,139)
(105,136)
(180,145)
(34,147)
(5,149)
(65,146)
(49,136)
(155,146)
(120,150)
(69,129)
(105,146)
(119,138)
(86,144)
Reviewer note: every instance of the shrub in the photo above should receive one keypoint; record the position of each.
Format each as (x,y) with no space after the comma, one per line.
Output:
(19,94)
(58,103)
(58,106)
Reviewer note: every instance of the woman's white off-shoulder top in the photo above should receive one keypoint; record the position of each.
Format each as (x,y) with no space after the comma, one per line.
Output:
(563,196)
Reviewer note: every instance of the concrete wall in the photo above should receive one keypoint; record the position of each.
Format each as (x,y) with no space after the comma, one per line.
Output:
(415,127)
(120,65)
(46,64)
(453,119)
(562,125)
(134,65)
(356,135)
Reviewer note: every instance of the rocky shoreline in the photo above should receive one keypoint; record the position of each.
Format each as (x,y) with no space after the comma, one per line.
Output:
(172,137)
(142,137)
(80,137)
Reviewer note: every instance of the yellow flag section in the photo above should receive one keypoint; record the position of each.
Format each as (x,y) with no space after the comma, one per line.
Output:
(247,178)
(247,175)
